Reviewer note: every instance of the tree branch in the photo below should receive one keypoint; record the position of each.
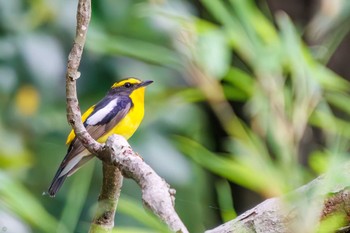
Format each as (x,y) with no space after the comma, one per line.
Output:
(283,215)
(156,192)
(108,199)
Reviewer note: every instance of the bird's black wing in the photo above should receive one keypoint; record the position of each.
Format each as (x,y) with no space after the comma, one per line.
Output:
(105,121)
(109,115)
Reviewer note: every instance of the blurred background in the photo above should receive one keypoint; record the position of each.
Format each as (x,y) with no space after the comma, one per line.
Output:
(250,100)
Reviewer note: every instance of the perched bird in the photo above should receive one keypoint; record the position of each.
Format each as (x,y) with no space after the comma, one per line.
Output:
(119,112)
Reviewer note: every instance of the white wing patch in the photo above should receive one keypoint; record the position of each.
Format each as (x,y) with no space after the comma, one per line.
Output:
(102,113)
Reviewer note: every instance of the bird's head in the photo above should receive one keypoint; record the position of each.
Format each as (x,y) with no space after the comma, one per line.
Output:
(128,85)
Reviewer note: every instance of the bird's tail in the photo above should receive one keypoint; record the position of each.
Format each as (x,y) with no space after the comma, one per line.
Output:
(56,183)
(67,168)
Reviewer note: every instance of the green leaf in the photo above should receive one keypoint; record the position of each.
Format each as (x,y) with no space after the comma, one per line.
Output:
(225,200)
(213,52)
(240,80)
(235,171)
(100,42)
(331,124)
(319,161)
(339,100)
(300,61)
(235,32)
(21,202)
(129,207)
(252,17)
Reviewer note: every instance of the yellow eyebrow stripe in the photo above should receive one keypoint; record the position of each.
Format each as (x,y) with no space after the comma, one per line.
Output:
(86,114)
(129,80)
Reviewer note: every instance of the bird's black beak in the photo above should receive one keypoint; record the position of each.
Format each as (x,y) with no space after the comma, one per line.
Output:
(145,83)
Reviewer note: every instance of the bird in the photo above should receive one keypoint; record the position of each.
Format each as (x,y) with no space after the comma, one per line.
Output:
(119,112)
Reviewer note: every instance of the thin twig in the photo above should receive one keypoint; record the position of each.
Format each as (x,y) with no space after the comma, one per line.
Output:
(74,57)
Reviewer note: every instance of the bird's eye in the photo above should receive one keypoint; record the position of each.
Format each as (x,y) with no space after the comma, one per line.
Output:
(128,85)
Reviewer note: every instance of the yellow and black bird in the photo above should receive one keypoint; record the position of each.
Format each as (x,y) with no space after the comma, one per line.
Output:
(119,112)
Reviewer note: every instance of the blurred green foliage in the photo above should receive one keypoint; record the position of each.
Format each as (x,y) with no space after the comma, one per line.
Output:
(290,124)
